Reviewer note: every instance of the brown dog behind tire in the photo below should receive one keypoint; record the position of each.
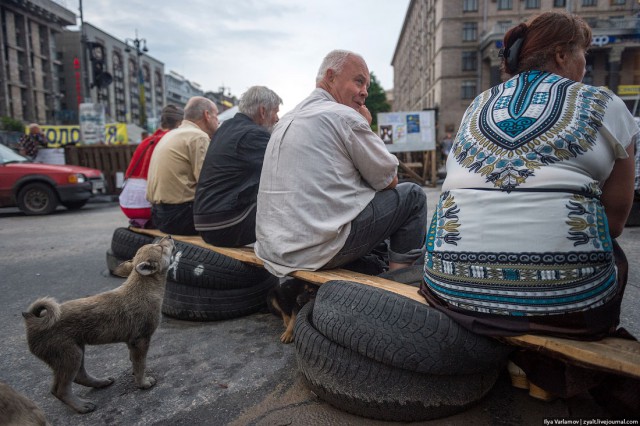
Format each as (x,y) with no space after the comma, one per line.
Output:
(285,301)
(57,333)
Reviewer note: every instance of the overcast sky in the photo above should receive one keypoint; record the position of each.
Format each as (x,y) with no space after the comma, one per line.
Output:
(240,43)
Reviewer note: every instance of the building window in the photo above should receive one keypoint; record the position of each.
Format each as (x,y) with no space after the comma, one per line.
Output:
(468,89)
(469,31)
(589,2)
(470,6)
(618,2)
(532,4)
(504,26)
(469,61)
(505,4)
(559,3)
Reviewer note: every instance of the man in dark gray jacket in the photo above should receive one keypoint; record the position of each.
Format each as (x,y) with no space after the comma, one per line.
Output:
(225,201)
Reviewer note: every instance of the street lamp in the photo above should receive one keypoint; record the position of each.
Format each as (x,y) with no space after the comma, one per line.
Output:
(140,45)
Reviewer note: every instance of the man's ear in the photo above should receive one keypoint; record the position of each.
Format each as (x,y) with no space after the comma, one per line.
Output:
(330,75)
(262,112)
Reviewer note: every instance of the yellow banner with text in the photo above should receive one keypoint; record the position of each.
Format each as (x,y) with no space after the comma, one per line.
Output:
(114,134)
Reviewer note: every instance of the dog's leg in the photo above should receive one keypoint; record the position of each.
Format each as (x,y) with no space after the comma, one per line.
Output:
(63,376)
(85,379)
(287,336)
(138,356)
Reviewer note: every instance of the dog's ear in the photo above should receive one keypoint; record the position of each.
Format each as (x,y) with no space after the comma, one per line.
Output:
(147,268)
(124,269)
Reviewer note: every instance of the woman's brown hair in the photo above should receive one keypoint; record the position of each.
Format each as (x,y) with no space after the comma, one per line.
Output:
(541,37)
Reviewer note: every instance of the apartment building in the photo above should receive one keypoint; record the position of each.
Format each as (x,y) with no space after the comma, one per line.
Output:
(30,67)
(447,51)
(131,97)
(179,89)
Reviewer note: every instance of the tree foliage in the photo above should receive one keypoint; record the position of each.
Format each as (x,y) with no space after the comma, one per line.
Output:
(376,101)
(11,124)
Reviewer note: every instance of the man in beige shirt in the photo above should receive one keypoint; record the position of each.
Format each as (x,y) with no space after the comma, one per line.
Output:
(175,167)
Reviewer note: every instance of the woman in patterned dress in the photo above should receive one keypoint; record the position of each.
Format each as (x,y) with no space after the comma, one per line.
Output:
(539,182)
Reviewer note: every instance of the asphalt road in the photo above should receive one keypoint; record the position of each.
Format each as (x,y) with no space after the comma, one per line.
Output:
(232,372)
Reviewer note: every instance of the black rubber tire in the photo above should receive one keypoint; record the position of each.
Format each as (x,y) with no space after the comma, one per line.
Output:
(125,243)
(36,199)
(362,386)
(200,267)
(190,303)
(402,333)
(113,262)
(75,205)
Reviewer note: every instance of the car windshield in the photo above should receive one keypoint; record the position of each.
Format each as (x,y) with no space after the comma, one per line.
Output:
(7,155)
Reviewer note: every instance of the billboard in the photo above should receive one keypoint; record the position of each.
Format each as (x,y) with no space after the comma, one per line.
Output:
(114,134)
(408,131)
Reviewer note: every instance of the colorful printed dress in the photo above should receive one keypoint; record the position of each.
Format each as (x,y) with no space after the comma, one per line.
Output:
(519,232)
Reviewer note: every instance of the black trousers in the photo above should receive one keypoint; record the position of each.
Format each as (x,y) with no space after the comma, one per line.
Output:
(176,219)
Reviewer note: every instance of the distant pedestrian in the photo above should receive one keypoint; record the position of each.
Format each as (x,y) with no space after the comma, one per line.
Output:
(30,144)
(445,147)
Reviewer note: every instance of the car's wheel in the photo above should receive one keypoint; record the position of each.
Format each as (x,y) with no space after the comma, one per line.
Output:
(360,385)
(401,332)
(125,243)
(200,267)
(37,199)
(191,303)
(75,205)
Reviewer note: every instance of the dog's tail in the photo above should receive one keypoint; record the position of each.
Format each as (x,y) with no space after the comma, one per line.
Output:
(35,315)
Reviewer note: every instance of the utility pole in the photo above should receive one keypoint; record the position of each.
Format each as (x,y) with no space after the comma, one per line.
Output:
(140,45)
(86,92)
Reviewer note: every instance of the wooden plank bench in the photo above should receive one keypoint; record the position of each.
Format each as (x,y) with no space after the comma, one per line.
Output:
(614,355)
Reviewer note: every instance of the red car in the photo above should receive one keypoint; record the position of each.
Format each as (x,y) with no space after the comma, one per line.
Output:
(38,188)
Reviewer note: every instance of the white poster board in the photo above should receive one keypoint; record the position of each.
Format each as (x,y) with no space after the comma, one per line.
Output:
(92,123)
(408,131)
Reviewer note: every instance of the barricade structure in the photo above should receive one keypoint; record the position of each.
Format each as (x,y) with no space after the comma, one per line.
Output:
(613,355)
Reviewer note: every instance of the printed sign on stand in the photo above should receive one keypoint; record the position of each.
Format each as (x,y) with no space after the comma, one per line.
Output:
(408,131)
(92,123)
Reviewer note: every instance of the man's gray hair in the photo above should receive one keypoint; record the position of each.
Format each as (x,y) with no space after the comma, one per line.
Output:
(196,106)
(257,96)
(334,60)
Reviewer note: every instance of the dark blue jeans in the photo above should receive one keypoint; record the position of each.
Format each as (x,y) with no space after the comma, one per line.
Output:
(399,214)
(176,219)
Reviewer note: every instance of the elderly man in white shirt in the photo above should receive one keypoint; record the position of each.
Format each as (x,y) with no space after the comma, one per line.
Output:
(329,189)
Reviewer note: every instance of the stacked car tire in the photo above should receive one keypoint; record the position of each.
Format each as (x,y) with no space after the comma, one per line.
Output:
(202,285)
(381,355)
(362,349)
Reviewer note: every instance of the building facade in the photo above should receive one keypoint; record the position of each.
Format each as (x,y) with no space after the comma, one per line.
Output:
(447,51)
(179,89)
(30,67)
(132,97)
(223,100)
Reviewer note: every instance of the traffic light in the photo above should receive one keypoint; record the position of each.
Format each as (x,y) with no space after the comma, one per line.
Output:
(101,78)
